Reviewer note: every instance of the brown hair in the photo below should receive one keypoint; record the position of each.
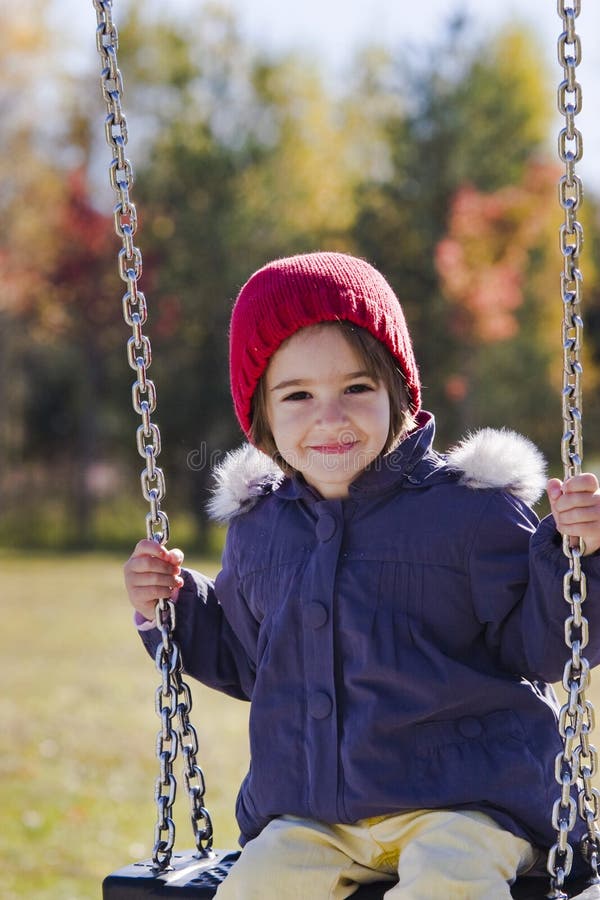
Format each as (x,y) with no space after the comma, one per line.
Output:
(381,366)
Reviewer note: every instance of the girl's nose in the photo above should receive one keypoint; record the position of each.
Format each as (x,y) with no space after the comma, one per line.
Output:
(332,412)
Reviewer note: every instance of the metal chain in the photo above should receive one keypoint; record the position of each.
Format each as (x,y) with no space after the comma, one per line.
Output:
(173,697)
(577,762)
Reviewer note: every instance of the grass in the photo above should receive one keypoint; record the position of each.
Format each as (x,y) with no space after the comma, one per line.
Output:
(77,762)
(78,732)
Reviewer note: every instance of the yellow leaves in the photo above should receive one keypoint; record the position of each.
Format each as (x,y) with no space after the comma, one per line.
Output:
(518,59)
(303,185)
(23,31)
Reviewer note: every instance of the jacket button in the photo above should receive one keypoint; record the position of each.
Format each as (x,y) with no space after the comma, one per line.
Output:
(319,705)
(470,728)
(316,615)
(326,527)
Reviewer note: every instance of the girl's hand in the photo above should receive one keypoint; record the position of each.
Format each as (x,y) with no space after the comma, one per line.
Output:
(575,505)
(151,573)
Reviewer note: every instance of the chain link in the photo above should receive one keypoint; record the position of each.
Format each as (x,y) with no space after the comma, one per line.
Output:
(173,697)
(577,762)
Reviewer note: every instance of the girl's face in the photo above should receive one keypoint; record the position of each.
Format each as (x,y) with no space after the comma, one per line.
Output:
(328,417)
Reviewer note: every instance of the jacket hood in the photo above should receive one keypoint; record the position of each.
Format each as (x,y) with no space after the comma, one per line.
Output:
(244,475)
(489,458)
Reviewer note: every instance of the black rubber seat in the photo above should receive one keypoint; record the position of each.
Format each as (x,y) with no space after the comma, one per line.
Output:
(192,877)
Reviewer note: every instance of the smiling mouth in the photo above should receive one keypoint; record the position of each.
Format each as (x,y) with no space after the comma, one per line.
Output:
(334,449)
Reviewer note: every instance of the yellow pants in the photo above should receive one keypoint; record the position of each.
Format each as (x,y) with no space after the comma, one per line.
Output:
(435,854)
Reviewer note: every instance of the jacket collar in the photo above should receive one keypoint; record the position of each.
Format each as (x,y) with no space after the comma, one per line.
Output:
(488,458)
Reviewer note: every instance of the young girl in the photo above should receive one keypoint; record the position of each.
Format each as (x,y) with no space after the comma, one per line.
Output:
(393,615)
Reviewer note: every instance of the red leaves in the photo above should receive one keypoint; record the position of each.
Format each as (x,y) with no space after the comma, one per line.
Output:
(482,262)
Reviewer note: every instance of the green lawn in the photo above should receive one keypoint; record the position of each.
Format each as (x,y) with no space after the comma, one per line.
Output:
(78,728)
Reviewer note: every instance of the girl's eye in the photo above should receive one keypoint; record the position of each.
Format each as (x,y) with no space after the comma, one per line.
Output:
(297,395)
(359,388)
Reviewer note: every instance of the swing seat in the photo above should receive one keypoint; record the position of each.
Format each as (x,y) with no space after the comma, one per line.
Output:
(191,877)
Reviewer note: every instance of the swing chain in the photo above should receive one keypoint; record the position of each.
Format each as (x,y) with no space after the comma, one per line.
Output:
(173,706)
(173,697)
(577,762)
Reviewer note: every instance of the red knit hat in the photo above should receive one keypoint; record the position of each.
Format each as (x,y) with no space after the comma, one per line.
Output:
(290,294)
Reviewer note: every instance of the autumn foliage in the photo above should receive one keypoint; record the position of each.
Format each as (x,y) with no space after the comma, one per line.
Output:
(483,259)
(436,170)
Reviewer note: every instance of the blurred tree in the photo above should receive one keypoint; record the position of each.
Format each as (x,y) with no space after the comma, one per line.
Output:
(472,119)
(432,168)
(63,336)
(29,186)
(57,332)
(496,274)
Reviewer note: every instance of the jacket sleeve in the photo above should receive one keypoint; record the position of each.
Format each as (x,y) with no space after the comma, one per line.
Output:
(210,650)
(517,568)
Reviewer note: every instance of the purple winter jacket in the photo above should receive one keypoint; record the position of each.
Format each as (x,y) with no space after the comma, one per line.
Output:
(396,645)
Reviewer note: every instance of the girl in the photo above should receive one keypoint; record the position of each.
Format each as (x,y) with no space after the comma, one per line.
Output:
(393,615)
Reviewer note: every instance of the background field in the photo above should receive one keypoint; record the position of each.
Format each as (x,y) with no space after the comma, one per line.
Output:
(78,729)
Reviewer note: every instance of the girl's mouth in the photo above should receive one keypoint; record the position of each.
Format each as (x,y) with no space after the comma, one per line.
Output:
(334,449)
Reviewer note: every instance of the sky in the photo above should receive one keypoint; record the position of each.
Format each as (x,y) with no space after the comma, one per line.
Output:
(332,30)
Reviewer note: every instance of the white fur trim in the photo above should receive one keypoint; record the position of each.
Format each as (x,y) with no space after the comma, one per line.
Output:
(240,480)
(500,459)
(486,459)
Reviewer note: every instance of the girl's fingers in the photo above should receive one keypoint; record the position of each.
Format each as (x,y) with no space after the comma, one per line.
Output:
(147,597)
(144,597)
(576,521)
(579,492)
(149,556)
(141,565)
(554,488)
(587,482)
(154,579)
(574,502)
(152,572)
(149,548)
(175,556)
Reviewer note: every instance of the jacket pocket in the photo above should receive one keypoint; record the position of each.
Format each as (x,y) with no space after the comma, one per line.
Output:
(482,762)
